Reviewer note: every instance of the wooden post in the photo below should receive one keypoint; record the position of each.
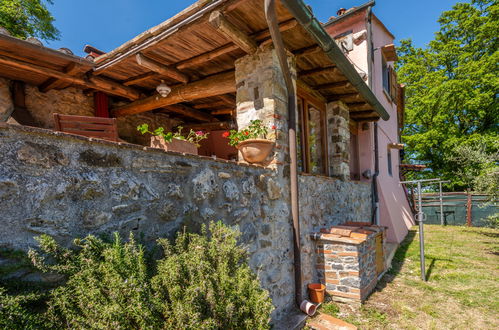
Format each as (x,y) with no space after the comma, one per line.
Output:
(469,205)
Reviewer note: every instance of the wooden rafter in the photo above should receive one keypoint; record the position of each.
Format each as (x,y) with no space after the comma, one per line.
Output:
(189,112)
(140,78)
(338,84)
(162,69)
(211,55)
(233,33)
(307,51)
(103,84)
(316,71)
(211,86)
(358,106)
(72,69)
(228,111)
(210,105)
(350,96)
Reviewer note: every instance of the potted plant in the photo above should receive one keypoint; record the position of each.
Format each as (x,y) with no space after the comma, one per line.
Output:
(174,141)
(251,141)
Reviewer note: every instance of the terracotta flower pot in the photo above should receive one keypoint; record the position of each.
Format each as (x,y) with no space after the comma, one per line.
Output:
(255,150)
(316,292)
(176,145)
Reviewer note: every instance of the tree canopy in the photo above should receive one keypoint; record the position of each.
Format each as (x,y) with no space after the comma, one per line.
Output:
(28,18)
(451,89)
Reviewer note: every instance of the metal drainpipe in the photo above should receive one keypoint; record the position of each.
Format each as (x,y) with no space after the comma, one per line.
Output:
(370,60)
(271,16)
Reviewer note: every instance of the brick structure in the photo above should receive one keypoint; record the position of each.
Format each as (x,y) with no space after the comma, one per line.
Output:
(349,261)
(338,119)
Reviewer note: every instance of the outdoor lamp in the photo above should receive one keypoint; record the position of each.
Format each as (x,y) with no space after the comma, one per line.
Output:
(163,89)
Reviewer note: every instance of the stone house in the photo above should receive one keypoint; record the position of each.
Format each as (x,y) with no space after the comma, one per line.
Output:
(225,67)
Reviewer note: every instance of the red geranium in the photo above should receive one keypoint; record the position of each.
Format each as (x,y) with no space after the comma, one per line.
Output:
(225,134)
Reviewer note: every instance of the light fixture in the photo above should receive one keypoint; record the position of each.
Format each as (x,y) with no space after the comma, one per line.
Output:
(163,89)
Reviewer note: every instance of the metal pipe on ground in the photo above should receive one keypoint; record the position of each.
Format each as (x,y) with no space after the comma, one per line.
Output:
(271,16)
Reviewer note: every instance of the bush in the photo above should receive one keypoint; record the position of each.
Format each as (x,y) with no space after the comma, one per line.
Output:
(16,312)
(202,282)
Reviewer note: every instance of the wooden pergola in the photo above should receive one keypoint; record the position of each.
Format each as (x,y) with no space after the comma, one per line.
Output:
(194,53)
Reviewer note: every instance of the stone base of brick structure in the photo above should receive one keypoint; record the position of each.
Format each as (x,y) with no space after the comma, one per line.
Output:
(349,260)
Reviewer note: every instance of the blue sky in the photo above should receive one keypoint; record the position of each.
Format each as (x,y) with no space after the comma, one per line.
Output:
(106,24)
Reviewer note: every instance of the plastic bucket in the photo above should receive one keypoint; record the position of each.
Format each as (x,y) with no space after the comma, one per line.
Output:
(316,292)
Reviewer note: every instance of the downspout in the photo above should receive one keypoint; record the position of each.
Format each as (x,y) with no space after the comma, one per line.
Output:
(271,16)
(370,60)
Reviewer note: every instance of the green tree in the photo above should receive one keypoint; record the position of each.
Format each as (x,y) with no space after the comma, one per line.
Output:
(452,87)
(28,18)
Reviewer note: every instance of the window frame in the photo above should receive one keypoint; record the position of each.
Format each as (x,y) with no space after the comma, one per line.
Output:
(307,102)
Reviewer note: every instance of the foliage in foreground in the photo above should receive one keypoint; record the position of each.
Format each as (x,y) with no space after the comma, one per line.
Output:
(202,282)
(451,89)
(28,18)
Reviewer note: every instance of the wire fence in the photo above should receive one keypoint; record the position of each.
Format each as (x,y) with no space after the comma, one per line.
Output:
(459,208)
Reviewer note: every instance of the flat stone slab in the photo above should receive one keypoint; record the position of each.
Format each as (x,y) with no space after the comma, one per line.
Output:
(327,322)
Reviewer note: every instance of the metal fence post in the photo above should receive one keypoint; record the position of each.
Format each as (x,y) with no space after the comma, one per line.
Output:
(441,205)
(469,205)
(421,233)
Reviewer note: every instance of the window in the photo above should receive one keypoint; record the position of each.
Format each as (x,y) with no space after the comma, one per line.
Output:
(389,160)
(311,136)
(386,76)
(389,80)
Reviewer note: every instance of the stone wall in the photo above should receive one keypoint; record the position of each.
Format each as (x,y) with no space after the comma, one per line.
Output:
(326,202)
(65,186)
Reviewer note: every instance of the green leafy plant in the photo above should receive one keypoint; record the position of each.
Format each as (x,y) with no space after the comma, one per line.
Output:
(17,312)
(108,284)
(193,136)
(255,130)
(202,282)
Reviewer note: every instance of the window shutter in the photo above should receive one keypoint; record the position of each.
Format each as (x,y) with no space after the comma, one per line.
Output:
(393,83)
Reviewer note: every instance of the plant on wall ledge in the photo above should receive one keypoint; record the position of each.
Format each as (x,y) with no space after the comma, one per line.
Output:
(251,141)
(175,141)
(193,137)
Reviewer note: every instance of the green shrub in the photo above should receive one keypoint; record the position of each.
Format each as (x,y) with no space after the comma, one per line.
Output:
(108,286)
(204,282)
(16,311)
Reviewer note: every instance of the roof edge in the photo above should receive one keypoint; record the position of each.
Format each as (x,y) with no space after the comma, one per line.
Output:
(306,18)
(356,10)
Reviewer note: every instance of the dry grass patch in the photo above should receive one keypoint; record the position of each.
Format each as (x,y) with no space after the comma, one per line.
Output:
(462,291)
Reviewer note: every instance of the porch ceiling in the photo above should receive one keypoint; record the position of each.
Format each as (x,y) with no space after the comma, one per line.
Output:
(189,48)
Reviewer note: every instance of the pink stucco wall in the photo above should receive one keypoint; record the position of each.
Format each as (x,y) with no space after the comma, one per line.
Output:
(395,212)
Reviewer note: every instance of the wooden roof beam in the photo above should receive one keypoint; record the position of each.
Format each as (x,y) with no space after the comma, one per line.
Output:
(228,111)
(210,105)
(140,78)
(338,84)
(103,84)
(233,33)
(222,83)
(350,96)
(307,51)
(162,69)
(189,112)
(208,56)
(316,71)
(358,106)
(72,69)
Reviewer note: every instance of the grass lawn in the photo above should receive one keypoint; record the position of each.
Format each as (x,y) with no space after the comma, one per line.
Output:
(462,292)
